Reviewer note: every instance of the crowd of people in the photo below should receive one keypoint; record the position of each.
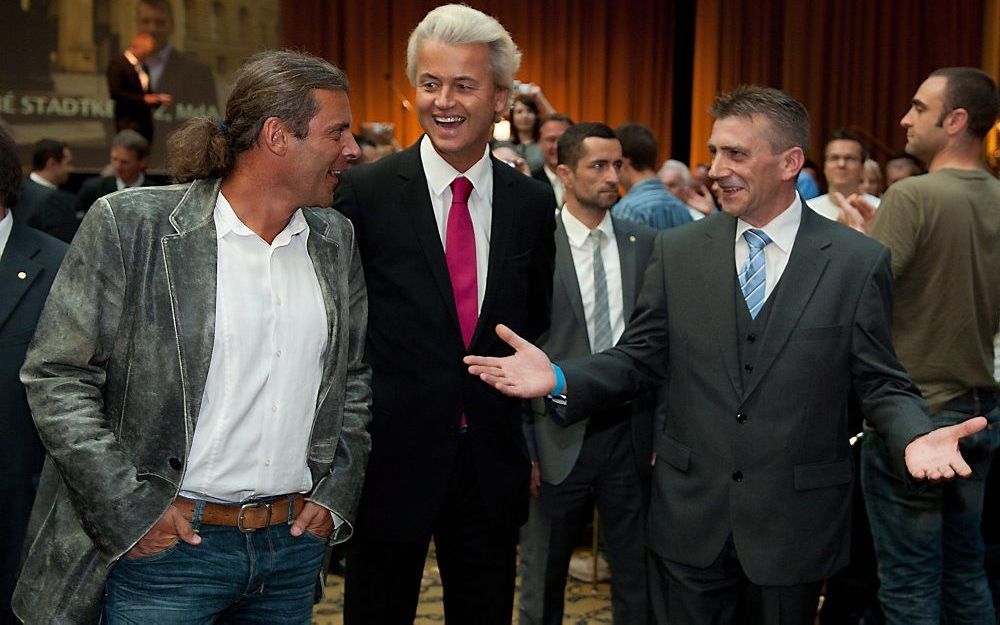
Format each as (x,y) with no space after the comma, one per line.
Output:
(209,384)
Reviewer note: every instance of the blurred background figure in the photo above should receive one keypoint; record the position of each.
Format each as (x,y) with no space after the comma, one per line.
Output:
(506,152)
(676,176)
(871,179)
(43,205)
(902,166)
(129,159)
(131,90)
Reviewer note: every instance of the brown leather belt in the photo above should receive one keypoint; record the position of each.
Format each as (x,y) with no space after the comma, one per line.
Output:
(247,517)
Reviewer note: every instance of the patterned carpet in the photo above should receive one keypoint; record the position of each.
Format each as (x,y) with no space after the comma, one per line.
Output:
(586,604)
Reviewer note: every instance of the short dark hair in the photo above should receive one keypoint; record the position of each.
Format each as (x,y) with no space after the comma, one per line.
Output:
(571,141)
(915,164)
(789,119)
(46,149)
(638,145)
(557,117)
(10,171)
(131,140)
(160,5)
(971,89)
(842,134)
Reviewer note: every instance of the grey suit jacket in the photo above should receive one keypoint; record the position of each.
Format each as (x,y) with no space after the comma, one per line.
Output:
(117,369)
(555,446)
(768,461)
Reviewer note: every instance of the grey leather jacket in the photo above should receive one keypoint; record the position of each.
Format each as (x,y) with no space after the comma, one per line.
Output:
(115,376)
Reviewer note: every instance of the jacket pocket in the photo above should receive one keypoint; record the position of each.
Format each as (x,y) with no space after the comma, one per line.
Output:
(823,474)
(673,453)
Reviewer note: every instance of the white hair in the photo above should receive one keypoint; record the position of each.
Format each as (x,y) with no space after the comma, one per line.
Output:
(457,24)
(678,166)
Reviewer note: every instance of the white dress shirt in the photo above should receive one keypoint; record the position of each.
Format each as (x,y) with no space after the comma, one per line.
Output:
(583,261)
(137,183)
(155,64)
(271,330)
(824,205)
(782,230)
(6,225)
(42,181)
(557,186)
(439,176)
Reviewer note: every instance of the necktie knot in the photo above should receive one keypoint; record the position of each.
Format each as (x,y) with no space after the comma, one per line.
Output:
(756,239)
(461,189)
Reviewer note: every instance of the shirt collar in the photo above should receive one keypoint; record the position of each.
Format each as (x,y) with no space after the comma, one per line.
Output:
(138,182)
(577,232)
(440,174)
(131,58)
(782,229)
(160,57)
(226,221)
(6,225)
(42,181)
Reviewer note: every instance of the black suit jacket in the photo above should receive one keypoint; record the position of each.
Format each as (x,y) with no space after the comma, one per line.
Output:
(125,88)
(96,188)
(567,337)
(539,175)
(768,461)
(420,385)
(46,209)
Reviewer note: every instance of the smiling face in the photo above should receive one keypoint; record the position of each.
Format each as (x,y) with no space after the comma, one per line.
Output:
(524,117)
(843,165)
(593,183)
(328,149)
(457,100)
(756,183)
(925,136)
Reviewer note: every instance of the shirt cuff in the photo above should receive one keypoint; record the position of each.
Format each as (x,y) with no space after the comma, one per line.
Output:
(560,387)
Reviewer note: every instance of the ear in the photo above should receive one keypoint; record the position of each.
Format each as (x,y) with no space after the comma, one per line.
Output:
(500,99)
(274,136)
(792,162)
(957,121)
(565,174)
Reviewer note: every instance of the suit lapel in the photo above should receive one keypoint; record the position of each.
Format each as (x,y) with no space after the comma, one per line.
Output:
(16,262)
(503,223)
(191,258)
(625,237)
(719,275)
(325,255)
(798,283)
(416,202)
(566,272)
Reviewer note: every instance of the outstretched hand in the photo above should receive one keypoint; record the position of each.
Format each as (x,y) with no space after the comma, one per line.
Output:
(935,455)
(525,374)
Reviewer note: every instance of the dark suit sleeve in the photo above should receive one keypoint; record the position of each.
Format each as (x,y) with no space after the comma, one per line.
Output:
(638,363)
(889,399)
(542,270)
(117,79)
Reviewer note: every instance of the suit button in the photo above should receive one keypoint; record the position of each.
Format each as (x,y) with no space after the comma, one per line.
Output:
(748,368)
(737,476)
(741,418)
(175,463)
(751,337)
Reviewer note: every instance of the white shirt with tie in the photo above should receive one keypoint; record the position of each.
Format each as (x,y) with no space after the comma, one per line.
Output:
(781,230)
(583,260)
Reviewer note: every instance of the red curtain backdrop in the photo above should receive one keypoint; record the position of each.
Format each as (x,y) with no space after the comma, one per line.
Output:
(597,60)
(852,62)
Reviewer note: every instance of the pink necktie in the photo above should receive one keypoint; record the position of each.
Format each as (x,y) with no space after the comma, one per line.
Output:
(460,254)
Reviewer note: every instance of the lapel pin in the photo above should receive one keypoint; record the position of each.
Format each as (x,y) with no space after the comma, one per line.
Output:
(631,238)
(21,275)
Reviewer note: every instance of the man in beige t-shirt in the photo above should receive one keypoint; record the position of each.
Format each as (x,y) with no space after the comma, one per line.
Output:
(943,230)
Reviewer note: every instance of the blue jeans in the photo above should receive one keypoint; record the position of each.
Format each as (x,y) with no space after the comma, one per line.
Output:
(267,577)
(928,541)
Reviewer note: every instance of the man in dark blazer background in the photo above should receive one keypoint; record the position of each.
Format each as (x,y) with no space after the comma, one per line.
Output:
(453,242)
(549,132)
(43,205)
(604,459)
(129,158)
(28,264)
(762,350)
(131,89)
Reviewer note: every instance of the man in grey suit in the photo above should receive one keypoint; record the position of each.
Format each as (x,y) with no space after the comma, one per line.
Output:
(600,262)
(197,375)
(762,350)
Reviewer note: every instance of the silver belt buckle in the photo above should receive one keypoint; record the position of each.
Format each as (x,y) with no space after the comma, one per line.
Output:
(247,506)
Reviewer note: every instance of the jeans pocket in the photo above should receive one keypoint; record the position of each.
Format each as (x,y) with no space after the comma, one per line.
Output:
(316,537)
(153,557)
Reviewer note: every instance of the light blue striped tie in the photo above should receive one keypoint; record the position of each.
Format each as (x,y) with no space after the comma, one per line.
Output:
(752,276)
